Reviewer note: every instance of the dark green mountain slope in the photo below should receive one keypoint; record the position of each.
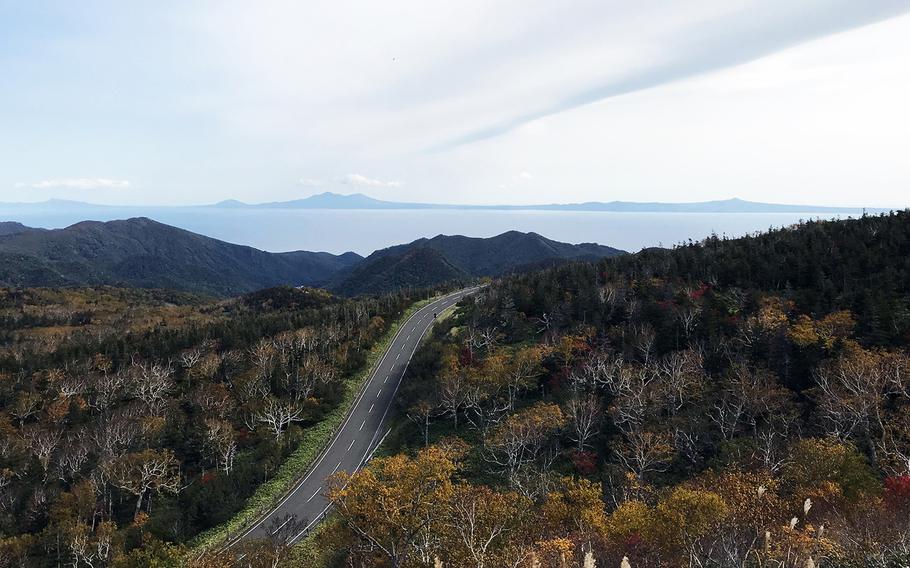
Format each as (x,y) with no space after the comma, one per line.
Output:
(13,228)
(418,267)
(144,253)
(426,262)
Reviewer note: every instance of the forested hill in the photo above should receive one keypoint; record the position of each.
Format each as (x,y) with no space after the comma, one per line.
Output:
(734,402)
(859,264)
(144,253)
(444,258)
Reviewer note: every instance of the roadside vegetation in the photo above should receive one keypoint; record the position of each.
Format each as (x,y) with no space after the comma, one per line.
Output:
(728,403)
(131,421)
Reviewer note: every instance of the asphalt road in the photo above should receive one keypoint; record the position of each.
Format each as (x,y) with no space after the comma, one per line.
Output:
(361,432)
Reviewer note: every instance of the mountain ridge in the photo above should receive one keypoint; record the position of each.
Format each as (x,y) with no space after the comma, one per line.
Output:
(141,252)
(145,253)
(459,258)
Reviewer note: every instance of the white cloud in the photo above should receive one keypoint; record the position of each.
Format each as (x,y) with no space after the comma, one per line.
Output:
(364,181)
(525,176)
(78,183)
(649,100)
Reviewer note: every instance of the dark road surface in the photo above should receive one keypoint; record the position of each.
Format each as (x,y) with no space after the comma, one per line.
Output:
(361,432)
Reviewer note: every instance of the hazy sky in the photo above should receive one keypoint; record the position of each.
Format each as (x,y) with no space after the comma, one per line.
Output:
(475,101)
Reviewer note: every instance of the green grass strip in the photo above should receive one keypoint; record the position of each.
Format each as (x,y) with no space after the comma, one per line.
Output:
(310,551)
(315,440)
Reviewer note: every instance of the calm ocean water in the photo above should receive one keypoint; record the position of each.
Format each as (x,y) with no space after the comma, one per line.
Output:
(364,231)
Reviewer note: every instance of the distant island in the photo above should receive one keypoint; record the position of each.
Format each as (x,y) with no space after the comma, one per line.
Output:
(329,200)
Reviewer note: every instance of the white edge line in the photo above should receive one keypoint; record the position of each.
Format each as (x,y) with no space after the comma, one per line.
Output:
(337,432)
(357,468)
(464,292)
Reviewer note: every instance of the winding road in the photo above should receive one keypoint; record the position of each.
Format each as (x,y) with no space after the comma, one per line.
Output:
(361,432)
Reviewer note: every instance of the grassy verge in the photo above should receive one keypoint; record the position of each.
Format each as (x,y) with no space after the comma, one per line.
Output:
(314,441)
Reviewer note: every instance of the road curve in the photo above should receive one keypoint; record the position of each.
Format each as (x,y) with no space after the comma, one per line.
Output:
(360,433)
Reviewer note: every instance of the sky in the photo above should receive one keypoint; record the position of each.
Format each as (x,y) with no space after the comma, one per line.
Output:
(476,101)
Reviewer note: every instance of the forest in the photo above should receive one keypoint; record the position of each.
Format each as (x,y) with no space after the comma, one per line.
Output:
(724,403)
(727,403)
(133,420)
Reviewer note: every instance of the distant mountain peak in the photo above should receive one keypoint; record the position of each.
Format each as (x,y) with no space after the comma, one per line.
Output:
(332,200)
(231,203)
(145,253)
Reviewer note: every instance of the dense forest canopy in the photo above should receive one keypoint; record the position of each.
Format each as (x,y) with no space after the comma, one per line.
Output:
(132,420)
(734,402)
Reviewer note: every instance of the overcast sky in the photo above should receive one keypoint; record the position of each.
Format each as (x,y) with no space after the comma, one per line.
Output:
(475,101)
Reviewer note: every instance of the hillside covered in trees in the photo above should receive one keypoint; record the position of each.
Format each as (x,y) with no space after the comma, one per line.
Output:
(728,403)
(143,253)
(453,258)
(133,420)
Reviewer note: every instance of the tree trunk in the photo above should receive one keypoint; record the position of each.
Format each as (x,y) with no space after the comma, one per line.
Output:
(138,505)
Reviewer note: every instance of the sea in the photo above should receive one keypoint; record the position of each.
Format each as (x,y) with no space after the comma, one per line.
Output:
(363,231)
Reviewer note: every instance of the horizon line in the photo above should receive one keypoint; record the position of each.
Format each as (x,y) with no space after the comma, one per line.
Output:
(430,205)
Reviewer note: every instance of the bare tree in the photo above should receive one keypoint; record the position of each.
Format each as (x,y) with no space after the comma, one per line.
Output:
(213,399)
(682,378)
(25,405)
(262,356)
(523,439)
(105,390)
(521,371)
(42,442)
(453,394)
(73,456)
(151,383)
(71,386)
(91,547)
(751,398)
(643,452)
(143,472)
(584,413)
(277,415)
(421,414)
(643,338)
(188,358)
(221,443)
(687,315)
(488,338)
(114,435)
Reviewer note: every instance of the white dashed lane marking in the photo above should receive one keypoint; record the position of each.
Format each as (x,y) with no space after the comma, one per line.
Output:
(352,444)
(281,526)
(311,496)
(371,408)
